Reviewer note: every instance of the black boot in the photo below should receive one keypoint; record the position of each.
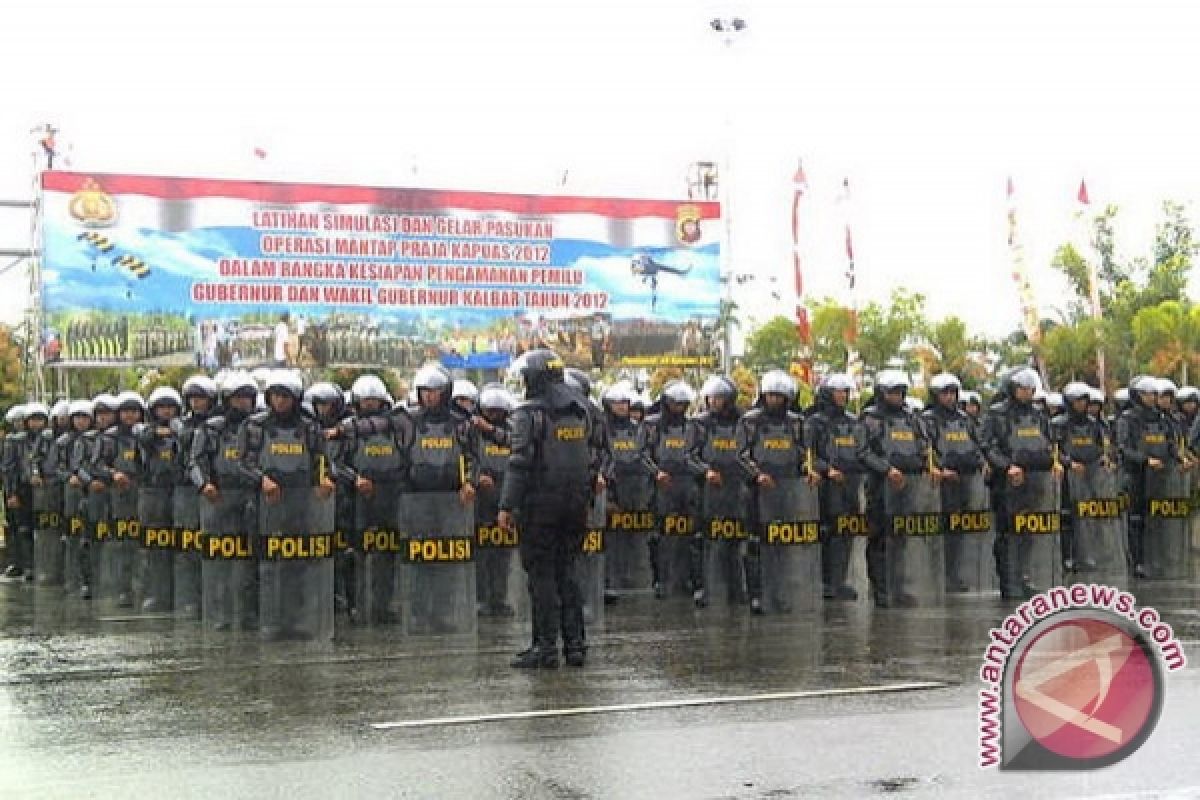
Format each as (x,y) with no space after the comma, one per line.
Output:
(536,657)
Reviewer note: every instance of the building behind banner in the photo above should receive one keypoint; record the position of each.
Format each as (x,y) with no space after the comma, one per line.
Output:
(162,271)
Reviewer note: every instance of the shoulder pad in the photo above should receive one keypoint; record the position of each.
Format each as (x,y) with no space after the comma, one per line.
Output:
(216,423)
(112,431)
(259,418)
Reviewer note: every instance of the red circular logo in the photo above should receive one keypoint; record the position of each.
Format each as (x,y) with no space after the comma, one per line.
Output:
(1084,689)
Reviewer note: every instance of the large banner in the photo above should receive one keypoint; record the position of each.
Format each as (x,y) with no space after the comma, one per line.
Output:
(216,273)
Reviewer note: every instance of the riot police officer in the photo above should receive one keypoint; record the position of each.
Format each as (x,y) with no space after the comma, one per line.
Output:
(668,441)
(200,395)
(960,464)
(18,502)
(547,489)
(163,462)
(41,469)
(897,454)
(630,492)
(495,564)
(839,443)
(464,398)
(96,511)
(774,458)
(376,464)
(228,511)
(1083,445)
(117,470)
(283,453)
(1146,444)
(717,543)
(326,403)
(1020,450)
(67,453)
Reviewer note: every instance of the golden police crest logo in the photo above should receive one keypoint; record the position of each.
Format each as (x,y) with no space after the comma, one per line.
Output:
(687,224)
(93,207)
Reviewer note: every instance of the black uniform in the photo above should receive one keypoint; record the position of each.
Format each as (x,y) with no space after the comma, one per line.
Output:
(1081,439)
(18,497)
(548,486)
(118,450)
(1142,433)
(954,436)
(839,441)
(723,516)
(668,445)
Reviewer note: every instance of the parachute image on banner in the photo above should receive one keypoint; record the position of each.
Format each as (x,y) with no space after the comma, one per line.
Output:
(725,529)
(673,543)
(970,534)
(48,533)
(914,565)
(1100,543)
(788,569)
(185,513)
(844,538)
(228,567)
(295,572)
(378,545)
(438,572)
(158,541)
(1167,544)
(74,525)
(590,565)
(380,275)
(1032,554)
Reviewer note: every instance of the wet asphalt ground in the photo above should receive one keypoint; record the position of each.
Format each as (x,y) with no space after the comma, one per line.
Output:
(95,705)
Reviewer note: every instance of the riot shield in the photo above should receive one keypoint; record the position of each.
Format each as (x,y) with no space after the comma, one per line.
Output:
(48,534)
(914,566)
(970,534)
(789,549)
(158,548)
(725,530)
(120,543)
(189,550)
(1033,552)
(590,565)
(227,566)
(630,523)
(74,524)
(672,543)
(97,533)
(377,545)
(1101,545)
(438,572)
(1194,520)
(295,572)
(1166,546)
(843,543)
(500,590)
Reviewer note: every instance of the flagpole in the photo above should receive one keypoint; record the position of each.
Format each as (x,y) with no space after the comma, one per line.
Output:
(1093,278)
(851,283)
(1020,275)
(728,29)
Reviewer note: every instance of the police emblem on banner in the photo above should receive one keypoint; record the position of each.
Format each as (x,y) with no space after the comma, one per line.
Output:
(687,224)
(93,207)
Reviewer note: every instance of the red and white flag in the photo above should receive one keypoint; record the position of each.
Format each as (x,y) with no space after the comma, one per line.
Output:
(799,189)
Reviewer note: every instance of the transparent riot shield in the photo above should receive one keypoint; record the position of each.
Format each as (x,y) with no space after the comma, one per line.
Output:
(843,545)
(438,573)
(970,534)
(725,529)
(1194,519)
(630,523)
(1100,544)
(500,590)
(789,549)
(914,567)
(377,547)
(1033,552)
(189,552)
(590,565)
(157,558)
(74,525)
(672,542)
(48,534)
(1166,545)
(295,572)
(97,535)
(227,568)
(120,544)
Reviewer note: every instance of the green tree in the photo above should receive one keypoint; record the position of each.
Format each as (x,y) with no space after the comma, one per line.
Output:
(12,373)
(831,325)
(774,345)
(888,332)
(1166,338)
(1069,352)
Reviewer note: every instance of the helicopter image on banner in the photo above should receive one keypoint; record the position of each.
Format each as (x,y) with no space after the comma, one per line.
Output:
(644,266)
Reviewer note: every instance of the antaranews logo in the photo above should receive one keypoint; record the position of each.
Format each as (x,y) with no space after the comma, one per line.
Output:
(1073,679)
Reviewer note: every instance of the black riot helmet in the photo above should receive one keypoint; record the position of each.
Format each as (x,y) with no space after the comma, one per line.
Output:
(533,373)
(578,379)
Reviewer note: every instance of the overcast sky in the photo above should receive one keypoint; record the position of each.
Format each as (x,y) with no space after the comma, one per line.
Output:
(926,107)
